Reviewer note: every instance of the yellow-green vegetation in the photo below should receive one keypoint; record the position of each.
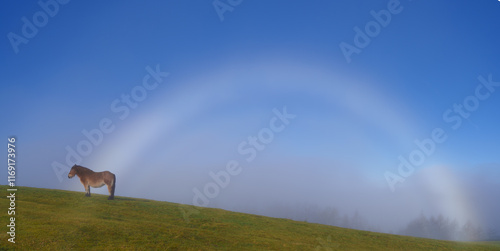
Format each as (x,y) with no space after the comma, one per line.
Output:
(62,220)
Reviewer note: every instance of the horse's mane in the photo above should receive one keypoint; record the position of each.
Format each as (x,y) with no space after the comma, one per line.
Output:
(82,170)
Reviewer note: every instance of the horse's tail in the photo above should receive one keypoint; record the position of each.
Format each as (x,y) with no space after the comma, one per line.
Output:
(113,186)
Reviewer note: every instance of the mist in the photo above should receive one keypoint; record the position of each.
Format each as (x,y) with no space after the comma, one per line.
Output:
(273,110)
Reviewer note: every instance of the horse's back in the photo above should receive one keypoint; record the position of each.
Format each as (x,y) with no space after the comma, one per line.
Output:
(107,173)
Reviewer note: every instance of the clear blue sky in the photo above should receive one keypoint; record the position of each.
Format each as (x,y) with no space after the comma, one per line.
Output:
(353,119)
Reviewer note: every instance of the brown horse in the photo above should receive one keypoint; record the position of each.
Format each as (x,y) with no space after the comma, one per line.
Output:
(90,178)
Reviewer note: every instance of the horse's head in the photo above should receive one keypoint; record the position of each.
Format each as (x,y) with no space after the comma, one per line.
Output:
(72,172)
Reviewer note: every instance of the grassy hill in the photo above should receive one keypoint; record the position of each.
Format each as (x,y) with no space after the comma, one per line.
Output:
(55,220)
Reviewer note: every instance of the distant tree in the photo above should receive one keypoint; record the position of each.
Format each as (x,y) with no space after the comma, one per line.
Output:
(453,230)
(311,213)
(471,232)
(345,222)
(314,214)
(329,216)
(492,235)
(358,222)
(442,228)
(418,227)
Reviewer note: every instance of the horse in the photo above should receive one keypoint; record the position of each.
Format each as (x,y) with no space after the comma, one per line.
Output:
(90,178)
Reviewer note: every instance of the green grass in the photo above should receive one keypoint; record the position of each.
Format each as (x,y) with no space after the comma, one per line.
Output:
(63,220)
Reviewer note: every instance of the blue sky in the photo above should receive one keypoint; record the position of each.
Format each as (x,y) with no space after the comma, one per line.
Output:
(353,119)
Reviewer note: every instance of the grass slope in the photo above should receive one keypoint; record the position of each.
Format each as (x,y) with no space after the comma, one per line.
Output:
(56,220)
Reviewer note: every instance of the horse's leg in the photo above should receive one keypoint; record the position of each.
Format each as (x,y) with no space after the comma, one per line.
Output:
(86,189)
(86,186)
(111,195)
